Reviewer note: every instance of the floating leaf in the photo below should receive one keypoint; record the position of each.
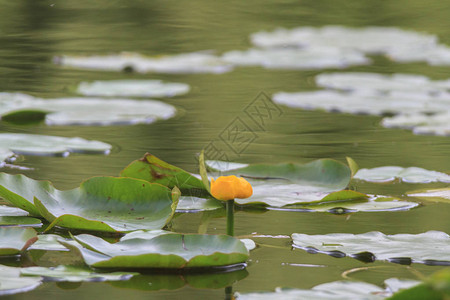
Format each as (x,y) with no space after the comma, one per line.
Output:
(295,58)
(132,88)
(14,239)
(74,274)
(435,124)
(84,111)
(410,175)
(172,251)
(223,166)
(347,201)
(289,183)
(100,203)
(35,144)
(187,63)
(398,44)
(10,211)
(345,290)
(439,195)
(152,169)
(366,102)
(432,247)
(12,283)
(195,204)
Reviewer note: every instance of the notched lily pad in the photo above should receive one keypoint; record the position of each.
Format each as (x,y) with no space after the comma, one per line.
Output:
(74,274)
(436,195)
(432,247)
(196,62)
(11,282)
(132,88)
(84,111)
(345,290)
(100,203)
(13,240)
(167,251)
(409,175)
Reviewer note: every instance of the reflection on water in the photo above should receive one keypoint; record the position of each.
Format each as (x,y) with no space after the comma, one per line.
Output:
(33,32)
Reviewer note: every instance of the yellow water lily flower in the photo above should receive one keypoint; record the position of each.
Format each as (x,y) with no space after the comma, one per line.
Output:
(230,187)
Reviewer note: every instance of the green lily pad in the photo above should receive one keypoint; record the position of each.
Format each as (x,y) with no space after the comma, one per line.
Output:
(283,184)
(100,203)
(432,247)
(297,58)
(437,195)
(337,290)
(435,124)
(409,175)
(74,274)
(152,169)
(187,63)
(132,88)
(84,111)
(20,221)
(12,283)
(35,144)
(171,251)
(15,239)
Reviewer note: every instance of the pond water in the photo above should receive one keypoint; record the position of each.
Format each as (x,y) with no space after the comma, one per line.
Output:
(32,33)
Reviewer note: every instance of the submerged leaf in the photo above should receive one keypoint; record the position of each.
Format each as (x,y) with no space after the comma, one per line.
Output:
(132,88)
(432,247)
(162,251)
(85,111)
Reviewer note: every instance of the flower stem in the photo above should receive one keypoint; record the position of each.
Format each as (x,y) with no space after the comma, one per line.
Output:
(230,217)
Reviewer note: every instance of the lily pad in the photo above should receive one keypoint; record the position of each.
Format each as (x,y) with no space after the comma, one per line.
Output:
(171,251)
(354,81)
(345,201)
(187,63)
(398,44)
(196,204)
(10,211)
(366,102)
(283,184)
(12,283)
(132,88)
(432,247)
(84,111)
(152,169)
(35,144)
(100,203)
(337,290)
(410,175)
(15,239)
(439,195)
(292,58)
(434,124)
(74,274)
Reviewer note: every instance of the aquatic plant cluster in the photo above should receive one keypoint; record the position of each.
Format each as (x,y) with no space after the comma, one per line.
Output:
(123,223)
